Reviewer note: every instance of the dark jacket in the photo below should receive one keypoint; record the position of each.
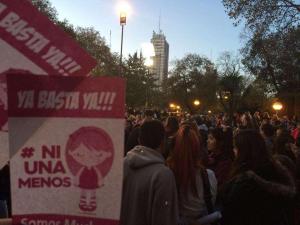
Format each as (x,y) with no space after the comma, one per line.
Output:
(149,189)
(221,165)
(259,198)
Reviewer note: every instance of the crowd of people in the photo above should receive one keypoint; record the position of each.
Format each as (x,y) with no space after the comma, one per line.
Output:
(211,169)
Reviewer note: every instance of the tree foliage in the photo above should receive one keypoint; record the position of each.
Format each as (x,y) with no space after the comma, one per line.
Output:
(141,87)
(231,82)
(88,38)
(272,48)
(264,16)
(193,77)
(46,8)
(276,60)
(92,42)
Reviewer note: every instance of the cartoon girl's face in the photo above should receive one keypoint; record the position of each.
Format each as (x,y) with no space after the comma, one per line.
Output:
(89,157)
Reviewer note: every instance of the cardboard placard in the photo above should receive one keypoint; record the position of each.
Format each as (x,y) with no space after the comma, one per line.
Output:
(66,139)
(29,41)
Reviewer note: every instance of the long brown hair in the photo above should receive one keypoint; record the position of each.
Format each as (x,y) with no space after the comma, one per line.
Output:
(252,152)
(185,158)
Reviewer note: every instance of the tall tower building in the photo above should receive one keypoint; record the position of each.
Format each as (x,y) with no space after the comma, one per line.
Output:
(161,58)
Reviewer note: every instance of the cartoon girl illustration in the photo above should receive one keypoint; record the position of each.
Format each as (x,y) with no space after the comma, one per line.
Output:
(89,155)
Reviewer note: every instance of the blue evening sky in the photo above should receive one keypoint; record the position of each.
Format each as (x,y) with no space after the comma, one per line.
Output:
(190,26)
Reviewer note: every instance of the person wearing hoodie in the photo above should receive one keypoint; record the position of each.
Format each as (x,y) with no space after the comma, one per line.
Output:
(261,191)
(149,187)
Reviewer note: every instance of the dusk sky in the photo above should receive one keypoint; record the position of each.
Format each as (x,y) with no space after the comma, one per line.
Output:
(193,26)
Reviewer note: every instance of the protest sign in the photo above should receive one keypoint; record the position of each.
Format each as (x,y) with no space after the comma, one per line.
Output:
(31,42)
(66,142)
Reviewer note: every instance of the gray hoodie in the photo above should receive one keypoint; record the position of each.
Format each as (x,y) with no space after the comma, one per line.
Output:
(149,189)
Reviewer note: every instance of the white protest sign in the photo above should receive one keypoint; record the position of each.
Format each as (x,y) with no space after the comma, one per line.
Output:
(66,139)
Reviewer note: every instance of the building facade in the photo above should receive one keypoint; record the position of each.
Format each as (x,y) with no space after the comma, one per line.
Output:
(161,58)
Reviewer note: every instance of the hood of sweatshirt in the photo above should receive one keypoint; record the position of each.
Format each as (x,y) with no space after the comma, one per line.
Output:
(141,156)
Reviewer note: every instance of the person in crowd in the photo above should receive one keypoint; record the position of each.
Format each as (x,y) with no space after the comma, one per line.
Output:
(191,175)
(149,187)
(257,119)
(128,128)
(266,118)
(5,192)
(267,132)
(275,121)
(247,121)
(171,128)
(260,191)
(296,131)
(283,145)
(132,139)
(219,145)
(202,149)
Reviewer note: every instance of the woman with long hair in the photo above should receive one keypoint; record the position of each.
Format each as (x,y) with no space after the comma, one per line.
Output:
(219,145)
(260,191)
(190,174)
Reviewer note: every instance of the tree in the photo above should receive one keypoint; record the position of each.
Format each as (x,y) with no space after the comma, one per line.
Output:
(92,42)
(46,8)
(254,97)
(88,38)
(141,87)
(231,83)
(193,77)
(271,52)
(276,60)
(264,16)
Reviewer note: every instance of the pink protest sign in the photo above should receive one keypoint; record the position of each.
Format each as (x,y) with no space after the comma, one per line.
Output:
(30,41)
(66,143)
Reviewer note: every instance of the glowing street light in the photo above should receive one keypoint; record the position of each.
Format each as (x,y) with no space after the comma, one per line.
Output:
(123,10)
(277,106)
(172,106)
(178,107)
(209,111)
(196,102)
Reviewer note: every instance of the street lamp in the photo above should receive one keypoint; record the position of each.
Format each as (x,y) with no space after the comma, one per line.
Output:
(196,102)
(172,105)
(123,9)
(277,106)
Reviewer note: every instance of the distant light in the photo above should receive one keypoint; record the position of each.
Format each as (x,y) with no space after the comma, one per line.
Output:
(148,53)
(178,107)
(209,111)
(148,62)
(148,49)
(196,102)
(172,105)
(124,10)
(225,97)
(277,106)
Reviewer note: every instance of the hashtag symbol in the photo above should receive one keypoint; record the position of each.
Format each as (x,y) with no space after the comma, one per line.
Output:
(27,152)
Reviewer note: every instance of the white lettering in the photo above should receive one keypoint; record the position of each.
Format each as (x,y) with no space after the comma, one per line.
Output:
(15,28)
(2,7)
(52,51)
(25,99)
(9,19)
(58,100)
(26,221)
